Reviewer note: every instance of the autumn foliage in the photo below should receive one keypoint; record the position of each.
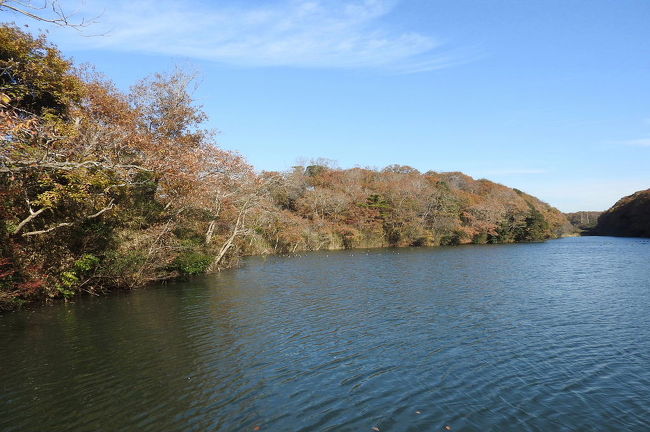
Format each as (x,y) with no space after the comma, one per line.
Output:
(326,207)
(100,189)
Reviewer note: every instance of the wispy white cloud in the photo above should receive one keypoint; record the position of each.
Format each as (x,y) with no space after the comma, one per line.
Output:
(515,171)
(297,33)
(641,142)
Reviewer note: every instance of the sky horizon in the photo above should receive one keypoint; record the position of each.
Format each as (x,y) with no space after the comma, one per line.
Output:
(547,97)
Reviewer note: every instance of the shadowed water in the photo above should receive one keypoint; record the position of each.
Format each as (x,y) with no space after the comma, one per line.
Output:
(533,337)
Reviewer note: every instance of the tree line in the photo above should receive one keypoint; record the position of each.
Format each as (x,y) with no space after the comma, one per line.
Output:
(103,189)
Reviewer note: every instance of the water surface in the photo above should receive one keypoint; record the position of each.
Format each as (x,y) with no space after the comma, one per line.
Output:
(529,337)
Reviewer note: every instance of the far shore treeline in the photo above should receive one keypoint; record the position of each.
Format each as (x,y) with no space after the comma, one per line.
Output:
(101,189)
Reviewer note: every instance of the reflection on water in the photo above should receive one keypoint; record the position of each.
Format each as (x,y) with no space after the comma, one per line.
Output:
(544,336)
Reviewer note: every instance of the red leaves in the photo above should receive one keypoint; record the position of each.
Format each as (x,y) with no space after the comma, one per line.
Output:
(6,272)
(30,287)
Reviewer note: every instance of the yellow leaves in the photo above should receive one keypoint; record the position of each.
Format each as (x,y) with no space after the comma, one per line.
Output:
(77,188)
(47,199)
(41,78)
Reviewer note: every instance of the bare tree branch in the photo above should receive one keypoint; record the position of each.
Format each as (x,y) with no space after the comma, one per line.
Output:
(10,166)
(33,233)
(34,214)
(102,211)
(58,16)
(28,219)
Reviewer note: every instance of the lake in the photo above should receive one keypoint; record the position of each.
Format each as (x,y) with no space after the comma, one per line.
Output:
(548,336)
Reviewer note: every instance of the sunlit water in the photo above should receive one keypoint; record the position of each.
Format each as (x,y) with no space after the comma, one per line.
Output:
(533,337)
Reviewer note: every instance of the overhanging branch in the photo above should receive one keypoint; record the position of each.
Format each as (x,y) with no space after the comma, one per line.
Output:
(10,166)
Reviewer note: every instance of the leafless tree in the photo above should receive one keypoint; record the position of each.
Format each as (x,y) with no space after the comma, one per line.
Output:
(47,11)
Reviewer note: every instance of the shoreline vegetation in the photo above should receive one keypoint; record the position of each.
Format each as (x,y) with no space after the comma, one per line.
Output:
(103,190)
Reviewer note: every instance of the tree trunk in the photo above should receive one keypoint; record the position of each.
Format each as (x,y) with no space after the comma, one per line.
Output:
(228,244)
(210,232)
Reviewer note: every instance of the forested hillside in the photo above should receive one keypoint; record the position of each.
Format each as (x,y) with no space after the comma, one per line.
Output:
(583,221)
(629,217)
(101,189)
(398,206)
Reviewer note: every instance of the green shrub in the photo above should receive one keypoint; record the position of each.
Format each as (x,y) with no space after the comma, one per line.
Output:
(192,263)
(69,280)
(86,263)
(67,284)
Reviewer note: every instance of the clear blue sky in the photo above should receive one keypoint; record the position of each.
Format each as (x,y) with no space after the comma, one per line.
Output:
(551,97)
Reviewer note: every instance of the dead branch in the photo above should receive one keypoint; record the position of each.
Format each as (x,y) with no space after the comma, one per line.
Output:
(33,233)
(63,224)
(102,211)
(32,215)
(59,18)
(10,166)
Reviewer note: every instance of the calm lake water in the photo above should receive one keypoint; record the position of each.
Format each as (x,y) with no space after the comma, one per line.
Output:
(533,337)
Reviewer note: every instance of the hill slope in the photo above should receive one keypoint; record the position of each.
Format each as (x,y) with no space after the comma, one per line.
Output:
(329,208)
(629,217)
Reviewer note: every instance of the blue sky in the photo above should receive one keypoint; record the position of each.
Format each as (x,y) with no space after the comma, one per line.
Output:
(551,97)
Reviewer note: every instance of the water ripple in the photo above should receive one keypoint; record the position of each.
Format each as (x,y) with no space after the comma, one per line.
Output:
(535,337)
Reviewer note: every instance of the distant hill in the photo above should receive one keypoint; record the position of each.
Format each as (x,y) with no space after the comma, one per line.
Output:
(583,220)
(629,217)
(324,207)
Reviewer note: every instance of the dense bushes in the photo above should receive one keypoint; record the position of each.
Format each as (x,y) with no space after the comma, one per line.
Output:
(101,189)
